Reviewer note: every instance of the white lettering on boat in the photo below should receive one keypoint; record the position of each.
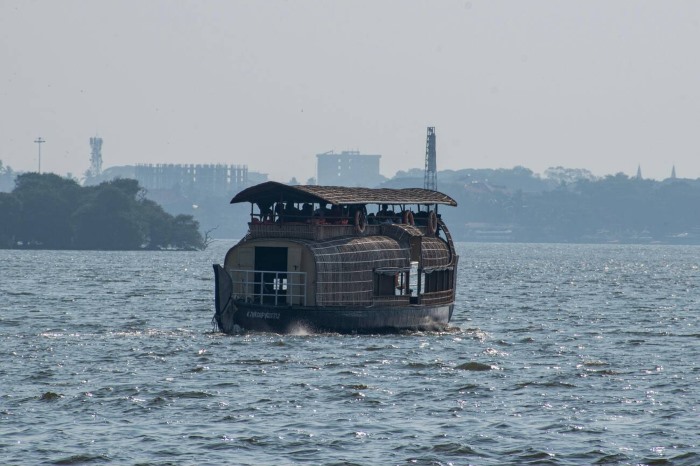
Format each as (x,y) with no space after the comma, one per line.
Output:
(263,315)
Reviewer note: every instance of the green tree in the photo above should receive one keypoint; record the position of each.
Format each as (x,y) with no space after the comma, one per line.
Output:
(185,233)
(47,203)
(158,225)
(108,221)
(47,211)
(10,214)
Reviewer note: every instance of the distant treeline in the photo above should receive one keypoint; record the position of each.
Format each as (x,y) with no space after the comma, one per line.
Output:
(50,212)
(571,206)
(562,205)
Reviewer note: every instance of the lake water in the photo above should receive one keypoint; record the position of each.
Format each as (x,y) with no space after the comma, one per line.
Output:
(559,354)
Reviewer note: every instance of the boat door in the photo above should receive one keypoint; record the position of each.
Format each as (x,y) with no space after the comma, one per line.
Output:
(271,274)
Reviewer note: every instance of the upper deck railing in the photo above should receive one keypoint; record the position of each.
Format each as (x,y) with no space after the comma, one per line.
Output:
(315,232)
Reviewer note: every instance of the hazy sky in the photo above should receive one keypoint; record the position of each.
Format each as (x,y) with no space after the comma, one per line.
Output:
(602,85)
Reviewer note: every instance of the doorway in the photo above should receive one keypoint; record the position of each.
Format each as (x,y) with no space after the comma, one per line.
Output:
(270,276)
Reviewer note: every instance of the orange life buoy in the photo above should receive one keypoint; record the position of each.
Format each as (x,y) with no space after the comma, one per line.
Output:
(408,218)
(432,222)
(360,222)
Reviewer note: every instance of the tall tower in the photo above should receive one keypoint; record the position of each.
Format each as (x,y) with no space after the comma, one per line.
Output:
(39,141)
(95,156)
(430,181)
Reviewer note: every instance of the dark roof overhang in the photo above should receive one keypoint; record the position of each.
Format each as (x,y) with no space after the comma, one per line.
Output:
(272,191)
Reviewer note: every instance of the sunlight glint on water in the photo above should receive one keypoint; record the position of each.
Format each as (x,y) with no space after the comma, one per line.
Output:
(559,354)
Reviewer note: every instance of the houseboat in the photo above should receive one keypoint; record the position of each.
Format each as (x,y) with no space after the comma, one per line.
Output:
(338,259)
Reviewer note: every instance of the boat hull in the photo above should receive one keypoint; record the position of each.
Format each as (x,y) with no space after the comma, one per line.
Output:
(242,316)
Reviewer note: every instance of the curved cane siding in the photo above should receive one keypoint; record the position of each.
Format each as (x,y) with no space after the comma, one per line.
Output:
(345,267)
(434,253)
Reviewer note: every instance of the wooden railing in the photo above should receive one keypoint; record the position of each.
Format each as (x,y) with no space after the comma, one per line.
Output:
(269,287)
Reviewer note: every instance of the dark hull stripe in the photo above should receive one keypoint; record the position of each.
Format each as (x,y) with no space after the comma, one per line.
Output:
(342,320)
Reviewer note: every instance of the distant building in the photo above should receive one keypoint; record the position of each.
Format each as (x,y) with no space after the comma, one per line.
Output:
(349,168)
(211,179)
(201,179)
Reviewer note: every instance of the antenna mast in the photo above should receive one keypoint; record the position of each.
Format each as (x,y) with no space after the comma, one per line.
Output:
(430,181)
(39,142)
(96,156)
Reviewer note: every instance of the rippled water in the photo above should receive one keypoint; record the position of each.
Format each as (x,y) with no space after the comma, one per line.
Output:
(560,354)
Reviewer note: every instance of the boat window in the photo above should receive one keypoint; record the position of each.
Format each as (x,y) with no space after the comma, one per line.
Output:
(385,284)
(437,280)
(397,281)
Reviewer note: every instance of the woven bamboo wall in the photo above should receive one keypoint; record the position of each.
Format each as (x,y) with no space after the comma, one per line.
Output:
(437,297)
(307,231)
(344,267)
(401,232)
(434,253)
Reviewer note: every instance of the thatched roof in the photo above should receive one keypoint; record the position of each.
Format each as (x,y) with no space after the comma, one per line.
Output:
(272,191)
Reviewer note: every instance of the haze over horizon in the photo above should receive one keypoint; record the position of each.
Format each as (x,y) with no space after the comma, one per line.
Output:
(605,86)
